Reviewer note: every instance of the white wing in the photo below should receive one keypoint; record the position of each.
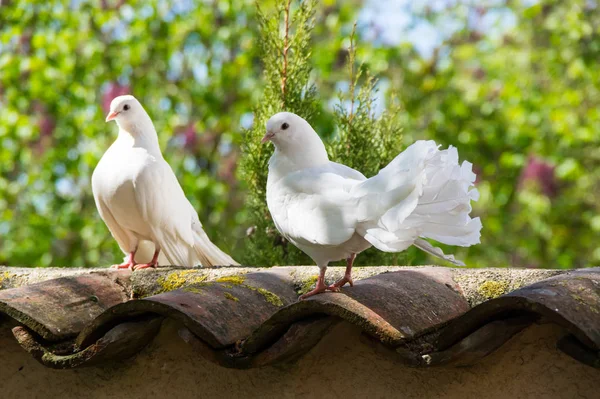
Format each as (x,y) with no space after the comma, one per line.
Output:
(314,206)
(167,212)
(173,220)
(122,238)
(345,171)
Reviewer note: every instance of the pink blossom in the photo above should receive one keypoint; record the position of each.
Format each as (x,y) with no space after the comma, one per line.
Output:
(190,137)
(540,173)
(113,90)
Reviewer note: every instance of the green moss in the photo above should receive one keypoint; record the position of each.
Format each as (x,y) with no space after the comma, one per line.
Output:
(493,289)
(237,280)
(176,280)
(231,297)
(270,297)
(195,289)
(230,281)
(308,284)
(138,292)
(185,281)
(4,276)
(584,302)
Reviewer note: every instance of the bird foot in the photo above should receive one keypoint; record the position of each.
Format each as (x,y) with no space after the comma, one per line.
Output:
(340,283)
(124,265)
(319,289)
(144,266)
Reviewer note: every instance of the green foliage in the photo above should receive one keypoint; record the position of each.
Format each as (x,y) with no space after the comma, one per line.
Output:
(192,69)
(365,141)
(510,102)
(522,104)
(285,54)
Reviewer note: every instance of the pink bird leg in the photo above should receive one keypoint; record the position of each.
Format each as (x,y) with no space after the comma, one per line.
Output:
(152,263)
(320,287)
(347,276)
(129,262)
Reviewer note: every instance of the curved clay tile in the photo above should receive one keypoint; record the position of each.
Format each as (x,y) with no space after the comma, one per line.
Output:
(417,316)
(59,309)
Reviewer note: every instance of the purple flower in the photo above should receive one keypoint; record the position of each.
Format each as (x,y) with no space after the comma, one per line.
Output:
(190,137)
(540,173)
(114,90)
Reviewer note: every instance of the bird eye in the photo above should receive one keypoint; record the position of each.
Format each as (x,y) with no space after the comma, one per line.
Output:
(284,126)
(125,107)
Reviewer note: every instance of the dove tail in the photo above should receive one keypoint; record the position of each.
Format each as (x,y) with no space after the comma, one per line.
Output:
(435,202)
(208,253)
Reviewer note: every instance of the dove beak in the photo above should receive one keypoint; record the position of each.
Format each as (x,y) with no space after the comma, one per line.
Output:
(111,116)
(267,137)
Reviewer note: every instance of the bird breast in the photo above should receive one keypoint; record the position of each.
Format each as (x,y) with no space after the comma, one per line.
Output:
(114,183)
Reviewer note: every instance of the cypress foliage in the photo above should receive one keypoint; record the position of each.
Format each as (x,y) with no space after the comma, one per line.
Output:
(285,54)
(364,141)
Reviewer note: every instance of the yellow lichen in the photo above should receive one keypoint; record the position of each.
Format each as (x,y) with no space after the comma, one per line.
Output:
(231,297)
(270,297)
(4,276)
(237,280)
(195,289)
(230,281)
(176,280)
(584,302)
(308,284)
(493,289)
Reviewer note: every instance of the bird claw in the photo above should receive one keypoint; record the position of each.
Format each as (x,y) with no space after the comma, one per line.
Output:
(319,289)
(125,265)
(340,283)
(144,266)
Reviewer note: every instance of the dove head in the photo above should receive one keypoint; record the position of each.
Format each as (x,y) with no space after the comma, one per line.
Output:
(295,138)
(129,114)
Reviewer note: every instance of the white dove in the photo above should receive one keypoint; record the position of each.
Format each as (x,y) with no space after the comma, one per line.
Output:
(141,201)
(333,212)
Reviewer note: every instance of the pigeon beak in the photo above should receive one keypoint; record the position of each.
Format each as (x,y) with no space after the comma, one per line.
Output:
(111,116)
(267,137)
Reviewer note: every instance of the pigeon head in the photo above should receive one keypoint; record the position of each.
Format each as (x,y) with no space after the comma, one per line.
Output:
(126,111)
(294,137)
(286,129)
(129,115)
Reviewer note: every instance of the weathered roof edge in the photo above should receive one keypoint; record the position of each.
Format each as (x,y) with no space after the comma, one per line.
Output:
(477,285)
(249,317)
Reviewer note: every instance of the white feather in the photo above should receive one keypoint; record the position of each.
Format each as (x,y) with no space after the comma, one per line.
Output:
(331,211)
(140,200)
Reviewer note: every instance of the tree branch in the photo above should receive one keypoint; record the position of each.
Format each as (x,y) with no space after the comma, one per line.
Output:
(353,79)
(286,47)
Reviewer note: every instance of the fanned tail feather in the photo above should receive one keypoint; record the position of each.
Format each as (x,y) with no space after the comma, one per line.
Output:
(436,251)
(437,206)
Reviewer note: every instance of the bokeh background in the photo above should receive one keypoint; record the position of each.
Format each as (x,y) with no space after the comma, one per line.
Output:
(513,84)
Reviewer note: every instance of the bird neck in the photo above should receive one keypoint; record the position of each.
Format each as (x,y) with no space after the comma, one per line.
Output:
(284,162)
(140,133)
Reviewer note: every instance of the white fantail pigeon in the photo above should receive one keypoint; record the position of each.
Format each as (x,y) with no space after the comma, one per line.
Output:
(333,212)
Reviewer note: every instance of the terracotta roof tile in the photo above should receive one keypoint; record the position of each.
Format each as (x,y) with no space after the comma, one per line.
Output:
(418,316)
